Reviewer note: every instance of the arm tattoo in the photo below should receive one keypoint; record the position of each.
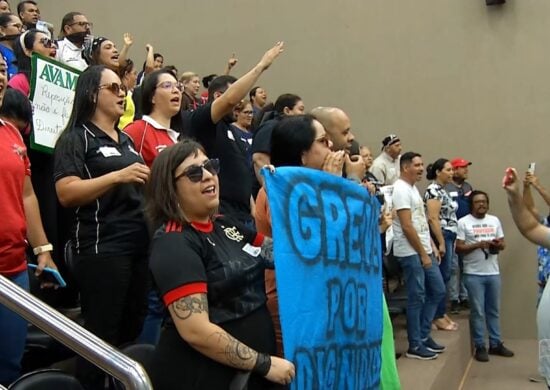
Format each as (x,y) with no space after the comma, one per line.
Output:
(184,307)
(236,353)
(267,252)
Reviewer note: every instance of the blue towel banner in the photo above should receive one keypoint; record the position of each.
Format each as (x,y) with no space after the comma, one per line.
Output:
(329,278)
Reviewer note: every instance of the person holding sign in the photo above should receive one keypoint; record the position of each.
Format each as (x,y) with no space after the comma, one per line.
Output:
(31,41)
(414,250)
(98,172)
(210,272)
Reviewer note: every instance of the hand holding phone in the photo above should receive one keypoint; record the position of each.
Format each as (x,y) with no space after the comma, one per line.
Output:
(531,168)
(50,275)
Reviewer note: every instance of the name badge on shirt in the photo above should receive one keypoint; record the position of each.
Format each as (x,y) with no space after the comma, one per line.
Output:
(453,194)
(230,135)
(252,250)
(109,151)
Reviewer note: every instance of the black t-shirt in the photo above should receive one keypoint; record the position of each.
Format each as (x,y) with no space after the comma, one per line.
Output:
(114,223)
(220,142)
(221,259)
(262,137)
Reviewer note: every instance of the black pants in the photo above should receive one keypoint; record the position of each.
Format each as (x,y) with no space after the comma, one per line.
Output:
(113,295)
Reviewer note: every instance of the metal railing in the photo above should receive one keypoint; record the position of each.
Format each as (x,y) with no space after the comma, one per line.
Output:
(73,336)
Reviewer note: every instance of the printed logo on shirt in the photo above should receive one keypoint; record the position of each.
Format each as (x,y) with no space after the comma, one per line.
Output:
(233,234)
(484,231)
(109,151)
(20,151)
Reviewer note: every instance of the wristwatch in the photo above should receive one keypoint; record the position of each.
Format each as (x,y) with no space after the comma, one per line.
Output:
(42,248)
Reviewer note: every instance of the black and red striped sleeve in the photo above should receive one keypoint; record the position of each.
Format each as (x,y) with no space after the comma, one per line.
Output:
(177,266)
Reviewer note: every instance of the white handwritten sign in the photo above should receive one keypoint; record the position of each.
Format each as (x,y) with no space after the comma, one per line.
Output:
(52,95)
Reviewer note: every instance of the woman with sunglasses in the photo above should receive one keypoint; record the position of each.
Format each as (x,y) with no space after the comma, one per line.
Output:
(100,174)
(31,41)
(161,100)
(210,272)
(10,29)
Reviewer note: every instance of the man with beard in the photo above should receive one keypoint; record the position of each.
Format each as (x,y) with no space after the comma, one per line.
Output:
(74,28)
(480,239)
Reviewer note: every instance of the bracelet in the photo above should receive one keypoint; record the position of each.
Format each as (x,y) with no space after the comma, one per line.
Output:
(263,364)
(42,248)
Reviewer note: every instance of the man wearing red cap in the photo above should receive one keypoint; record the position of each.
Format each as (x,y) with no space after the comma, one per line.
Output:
(459,190)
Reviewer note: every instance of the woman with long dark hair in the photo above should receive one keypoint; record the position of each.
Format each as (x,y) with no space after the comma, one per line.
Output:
(10,29)
(441,213)
(31,41)
(99,174)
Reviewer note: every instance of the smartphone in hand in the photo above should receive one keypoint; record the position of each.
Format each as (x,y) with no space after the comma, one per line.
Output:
(50,275)
(531,168)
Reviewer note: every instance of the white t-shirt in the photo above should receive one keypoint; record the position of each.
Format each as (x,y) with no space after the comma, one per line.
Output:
(472,230)
(70,54)
(406,196)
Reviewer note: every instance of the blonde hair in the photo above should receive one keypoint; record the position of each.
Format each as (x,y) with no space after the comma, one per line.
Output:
(187,76)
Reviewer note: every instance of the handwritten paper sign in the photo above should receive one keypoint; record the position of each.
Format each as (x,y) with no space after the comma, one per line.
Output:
(52,95)
(329,278)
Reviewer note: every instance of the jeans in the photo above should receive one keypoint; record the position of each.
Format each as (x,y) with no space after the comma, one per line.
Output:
(13,335)
(150,334)
(484,294)
(445,268)
(457,290)
(425,289)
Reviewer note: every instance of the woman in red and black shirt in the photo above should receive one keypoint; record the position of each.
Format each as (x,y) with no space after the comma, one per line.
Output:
(210,273)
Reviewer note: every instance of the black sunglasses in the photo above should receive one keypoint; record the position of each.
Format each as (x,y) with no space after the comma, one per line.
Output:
(114,88)
(47,42)
(195,172)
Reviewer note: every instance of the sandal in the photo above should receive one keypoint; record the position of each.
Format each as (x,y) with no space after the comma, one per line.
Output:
(442,324)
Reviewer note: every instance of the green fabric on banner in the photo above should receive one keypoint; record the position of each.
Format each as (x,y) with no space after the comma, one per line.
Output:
(389,377)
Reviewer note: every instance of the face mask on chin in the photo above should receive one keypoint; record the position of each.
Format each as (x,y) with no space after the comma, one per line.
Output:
(77,38)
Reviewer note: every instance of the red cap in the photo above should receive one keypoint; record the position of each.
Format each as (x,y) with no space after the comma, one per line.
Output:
(460,162)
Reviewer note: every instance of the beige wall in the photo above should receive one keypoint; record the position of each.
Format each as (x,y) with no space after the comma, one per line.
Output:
(450,77)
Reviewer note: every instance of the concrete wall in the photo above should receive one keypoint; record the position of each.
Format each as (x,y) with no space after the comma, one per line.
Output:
(452,78)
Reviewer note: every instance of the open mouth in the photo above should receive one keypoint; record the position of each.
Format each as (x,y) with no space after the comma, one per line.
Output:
(210,190)
(175,99)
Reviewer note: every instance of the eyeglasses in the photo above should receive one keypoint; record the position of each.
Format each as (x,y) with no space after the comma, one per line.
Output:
(47,42)
(171,85)
(114,88)
(247,112)
(83,24)
(195,172)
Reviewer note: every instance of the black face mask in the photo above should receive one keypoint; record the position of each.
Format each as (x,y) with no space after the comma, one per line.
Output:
(77,38)
(9,37)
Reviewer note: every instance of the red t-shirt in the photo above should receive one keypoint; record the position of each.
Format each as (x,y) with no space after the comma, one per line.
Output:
(150,138)
(15,166)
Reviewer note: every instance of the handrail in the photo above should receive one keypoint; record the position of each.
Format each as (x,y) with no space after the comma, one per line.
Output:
(75,337)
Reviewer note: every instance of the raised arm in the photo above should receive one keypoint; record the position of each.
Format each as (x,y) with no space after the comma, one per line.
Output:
(238,90)
(123,55)
(149,60)
(190,315)
(527,224)
(534,180)
(231,62)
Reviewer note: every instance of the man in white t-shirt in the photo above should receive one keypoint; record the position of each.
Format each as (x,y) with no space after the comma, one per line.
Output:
(413,249)
(74,29)
(480,239)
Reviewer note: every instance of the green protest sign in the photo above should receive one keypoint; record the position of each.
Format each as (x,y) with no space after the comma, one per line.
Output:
(52,96)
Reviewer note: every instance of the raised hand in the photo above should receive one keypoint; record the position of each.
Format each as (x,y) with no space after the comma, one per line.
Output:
(128,39)
(271,55)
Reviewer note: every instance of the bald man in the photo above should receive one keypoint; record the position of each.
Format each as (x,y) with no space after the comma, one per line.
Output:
(337,125)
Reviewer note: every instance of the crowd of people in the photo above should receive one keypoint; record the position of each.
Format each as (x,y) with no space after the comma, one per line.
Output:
(162,189)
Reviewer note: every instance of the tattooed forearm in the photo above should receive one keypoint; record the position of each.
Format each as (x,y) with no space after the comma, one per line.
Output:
(184,307)
(236,353)
(267,252)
